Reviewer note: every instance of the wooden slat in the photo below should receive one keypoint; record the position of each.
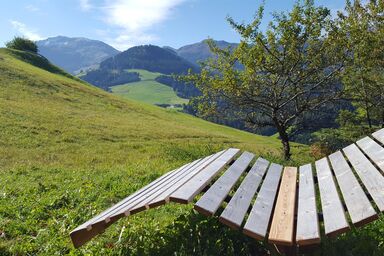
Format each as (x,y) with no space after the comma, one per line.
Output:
(127,199)
(237,207)
(97,224)
(258,220)
(333,211)
(282,227)
(139,204)
(374,151)
(307,231)
(379,135)
(214,197)
(162,196)
(369,175)
(124,208)
(190,189)
(359,208)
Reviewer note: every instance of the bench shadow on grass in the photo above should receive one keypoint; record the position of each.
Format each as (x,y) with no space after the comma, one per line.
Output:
(364,241)
(195,234)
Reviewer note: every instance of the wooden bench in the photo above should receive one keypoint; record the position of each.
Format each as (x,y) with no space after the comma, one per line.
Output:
(350,185)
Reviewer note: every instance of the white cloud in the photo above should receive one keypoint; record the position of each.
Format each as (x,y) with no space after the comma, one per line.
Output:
(85,5)
(134,18)
(124,41)
(130,21)
(25,31)
(134,15)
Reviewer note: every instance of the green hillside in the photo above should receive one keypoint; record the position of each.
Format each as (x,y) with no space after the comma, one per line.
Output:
(148,90)
(69,150)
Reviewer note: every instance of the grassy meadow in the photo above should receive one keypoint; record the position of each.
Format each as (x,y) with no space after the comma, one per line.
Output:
(148,90)
(69,150)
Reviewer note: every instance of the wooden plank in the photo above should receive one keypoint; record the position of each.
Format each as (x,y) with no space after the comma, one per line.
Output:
(237,207)
(282,227)
(190,189)
(373,150)
(162,196)
(127,208)
(369,175)
(333,211)
(307,231)
(258,220)
(379,135)
(127,199)
(359,208)
(85,231)
(216,194)
(99,223)
(123,209)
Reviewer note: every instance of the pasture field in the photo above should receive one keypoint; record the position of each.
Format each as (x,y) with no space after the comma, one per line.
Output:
(148,90)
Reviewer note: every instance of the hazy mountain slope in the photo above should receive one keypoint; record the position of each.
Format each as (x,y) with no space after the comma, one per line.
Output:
(200,51)
(74,54)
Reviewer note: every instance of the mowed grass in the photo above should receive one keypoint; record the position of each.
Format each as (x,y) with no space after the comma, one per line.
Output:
(69,150)
(148,90)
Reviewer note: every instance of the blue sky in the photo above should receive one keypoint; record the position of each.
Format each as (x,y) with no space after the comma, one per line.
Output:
(125,23)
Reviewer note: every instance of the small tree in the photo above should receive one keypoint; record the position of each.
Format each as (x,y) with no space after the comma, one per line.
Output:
(22,44)
(288,72)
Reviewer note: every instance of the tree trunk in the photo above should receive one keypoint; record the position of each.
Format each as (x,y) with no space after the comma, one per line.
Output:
(285,141)
(382,118)
(366,103)
(369,120)
(284,138)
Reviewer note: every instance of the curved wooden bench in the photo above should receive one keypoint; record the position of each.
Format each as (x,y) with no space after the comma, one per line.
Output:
(350,184)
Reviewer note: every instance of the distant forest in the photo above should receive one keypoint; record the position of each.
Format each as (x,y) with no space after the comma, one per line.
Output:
(183,90)
(105,78)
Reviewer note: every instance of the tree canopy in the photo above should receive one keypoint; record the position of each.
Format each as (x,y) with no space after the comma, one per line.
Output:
(289,71)
(363,35)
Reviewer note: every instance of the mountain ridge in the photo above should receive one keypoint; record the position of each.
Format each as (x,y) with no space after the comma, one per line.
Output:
(74,54)
(149,57)
(200,51)
(146,57)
